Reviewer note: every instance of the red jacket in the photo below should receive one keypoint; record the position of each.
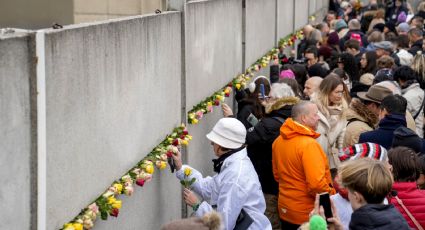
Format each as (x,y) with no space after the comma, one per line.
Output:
(413,199)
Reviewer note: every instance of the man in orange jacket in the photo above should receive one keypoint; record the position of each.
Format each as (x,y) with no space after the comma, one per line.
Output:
(299,166)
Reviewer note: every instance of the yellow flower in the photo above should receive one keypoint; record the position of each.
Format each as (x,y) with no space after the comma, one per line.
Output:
(218,97)
(184,142)
(149,169)
(264,64)
(77,226)
(237,86)
(191,115)
(161,164)
(227,91)
(209,103)
(195,121)
(117,204)
(111,200)
(189,137)
(187,171)
(68,226)
(118,187)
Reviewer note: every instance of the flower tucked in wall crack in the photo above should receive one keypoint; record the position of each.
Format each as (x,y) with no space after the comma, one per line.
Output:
(114,212)
(140,182)
(73,226)
(148,167)
(128,189)
(161,164)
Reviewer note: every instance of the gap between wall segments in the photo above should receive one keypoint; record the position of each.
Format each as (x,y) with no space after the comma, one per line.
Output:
(41,130)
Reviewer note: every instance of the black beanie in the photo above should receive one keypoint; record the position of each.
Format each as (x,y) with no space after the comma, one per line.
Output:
(316,70)
(403,136)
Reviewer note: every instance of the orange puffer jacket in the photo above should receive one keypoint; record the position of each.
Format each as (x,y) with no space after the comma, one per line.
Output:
(301,168)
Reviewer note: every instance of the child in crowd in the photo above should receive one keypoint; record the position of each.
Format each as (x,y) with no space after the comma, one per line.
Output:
(368,182)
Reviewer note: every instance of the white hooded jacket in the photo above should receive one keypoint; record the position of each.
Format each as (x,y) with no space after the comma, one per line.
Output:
(415,96)
(236,187)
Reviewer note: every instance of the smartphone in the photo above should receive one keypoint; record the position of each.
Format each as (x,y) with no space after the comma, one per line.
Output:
(325,202)
(252,119)
(262,91)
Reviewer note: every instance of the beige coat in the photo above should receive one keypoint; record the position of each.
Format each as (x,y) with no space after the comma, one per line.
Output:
(415,96)
(331,138)
(360,119)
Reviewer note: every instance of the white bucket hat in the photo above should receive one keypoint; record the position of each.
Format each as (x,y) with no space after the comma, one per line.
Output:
(228,133)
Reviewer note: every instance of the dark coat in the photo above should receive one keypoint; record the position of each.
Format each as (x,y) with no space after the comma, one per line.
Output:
(416,46)
(245,109)
(384,134)
(260,139)
(348,36)
(274,73)
(391,14)
(377,216)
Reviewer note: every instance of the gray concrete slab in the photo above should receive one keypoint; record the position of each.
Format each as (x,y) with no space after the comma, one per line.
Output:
(260,29)
(301,15)
(15,132)
(312,4)
(285,18)
(113,93)
(213,38)
(213,33)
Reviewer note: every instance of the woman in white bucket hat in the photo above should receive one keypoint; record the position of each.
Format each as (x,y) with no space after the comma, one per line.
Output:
(235,191)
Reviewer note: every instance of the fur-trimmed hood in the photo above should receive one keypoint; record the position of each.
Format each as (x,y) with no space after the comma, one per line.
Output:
(359,111)
(280,103)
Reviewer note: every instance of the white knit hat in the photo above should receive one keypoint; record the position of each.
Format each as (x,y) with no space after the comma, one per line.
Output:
(228,133)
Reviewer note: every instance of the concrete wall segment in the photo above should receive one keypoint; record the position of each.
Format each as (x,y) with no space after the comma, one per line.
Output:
(213,45)
(285,18)
(15,133)
(103,106)
(259,28)
(301,13)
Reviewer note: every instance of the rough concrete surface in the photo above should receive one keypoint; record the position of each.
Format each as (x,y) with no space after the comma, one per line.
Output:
(312,4)
(105,113)
(260,29)
(213,31)
(15,133)
(285,18)
(301,13)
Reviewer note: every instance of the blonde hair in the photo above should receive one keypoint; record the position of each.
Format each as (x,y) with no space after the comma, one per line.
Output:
(321,97)
(421,6)
(367,176)
(418,65)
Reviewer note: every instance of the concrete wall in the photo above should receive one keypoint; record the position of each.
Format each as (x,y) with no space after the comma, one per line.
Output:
(260,29)
(15,132)
(114,90)
(95,10)
(213,40)
(301,13)
(105,113)
(285,18)
(312,4)
(35,14)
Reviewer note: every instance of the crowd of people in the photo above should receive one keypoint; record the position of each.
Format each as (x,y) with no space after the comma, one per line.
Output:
(344,116)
